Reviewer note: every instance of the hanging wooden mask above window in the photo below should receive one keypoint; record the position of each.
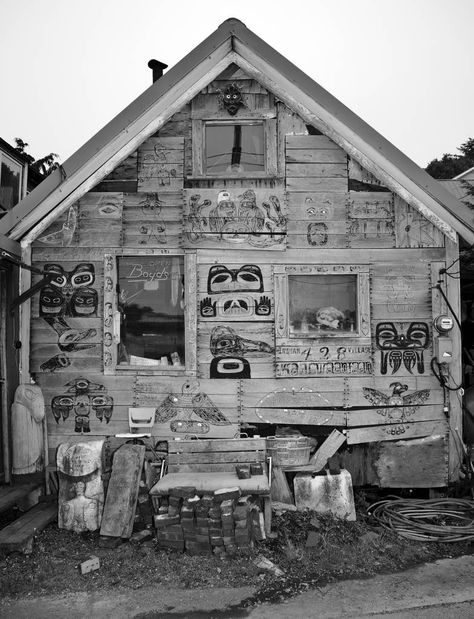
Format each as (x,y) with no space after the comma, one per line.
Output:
(231,98)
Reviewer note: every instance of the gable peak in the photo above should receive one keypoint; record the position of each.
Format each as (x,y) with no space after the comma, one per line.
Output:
(231,23)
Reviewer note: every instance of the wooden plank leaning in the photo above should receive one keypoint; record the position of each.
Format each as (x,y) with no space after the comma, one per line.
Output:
(122,493)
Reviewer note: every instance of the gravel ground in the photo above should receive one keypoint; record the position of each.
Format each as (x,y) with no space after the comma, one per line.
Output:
(310,550)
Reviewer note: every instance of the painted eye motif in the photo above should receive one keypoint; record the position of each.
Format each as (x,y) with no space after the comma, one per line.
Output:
(222,278)
(248,277)
(65,402)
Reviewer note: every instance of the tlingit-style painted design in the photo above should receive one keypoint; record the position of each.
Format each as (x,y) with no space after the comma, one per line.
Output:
(231,284)
(70,293)
(64,236)
(191,411)
(396,408)
(230,351)
(153,228)
(236,218)
(398,345)
(82,398)
(69,338)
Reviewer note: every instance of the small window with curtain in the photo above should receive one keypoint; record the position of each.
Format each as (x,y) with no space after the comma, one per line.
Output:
(234,148)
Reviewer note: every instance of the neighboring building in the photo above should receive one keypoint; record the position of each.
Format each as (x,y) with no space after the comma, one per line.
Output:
(239,250)
(459,189)
(16,180)
(467,175)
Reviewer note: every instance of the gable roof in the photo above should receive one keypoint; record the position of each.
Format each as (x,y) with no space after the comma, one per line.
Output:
(232,42)
(458,188)
(467,174)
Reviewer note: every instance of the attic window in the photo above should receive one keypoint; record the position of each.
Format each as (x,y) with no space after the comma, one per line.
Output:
(234,148)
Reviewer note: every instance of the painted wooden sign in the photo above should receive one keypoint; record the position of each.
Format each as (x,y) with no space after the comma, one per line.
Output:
(323,368)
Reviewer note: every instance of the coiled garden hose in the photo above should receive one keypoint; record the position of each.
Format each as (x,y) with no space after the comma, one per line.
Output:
(432,520)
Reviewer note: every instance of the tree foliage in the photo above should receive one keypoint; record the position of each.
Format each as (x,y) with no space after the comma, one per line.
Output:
(44,165)
(449,165)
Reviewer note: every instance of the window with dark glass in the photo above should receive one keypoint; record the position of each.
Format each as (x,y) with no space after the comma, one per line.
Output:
(322,305)
(151,304)
(234,148)
(10,182)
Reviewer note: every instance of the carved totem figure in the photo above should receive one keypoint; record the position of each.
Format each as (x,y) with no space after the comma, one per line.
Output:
(27,429)
(81,490)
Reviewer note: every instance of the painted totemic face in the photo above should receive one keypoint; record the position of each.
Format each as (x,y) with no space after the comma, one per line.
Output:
(70,292)
(247,278)
(230,283)
(317,234)
(398,346)
(232,98)
(236,305)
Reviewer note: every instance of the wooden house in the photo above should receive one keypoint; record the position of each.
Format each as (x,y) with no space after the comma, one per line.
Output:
(238,251)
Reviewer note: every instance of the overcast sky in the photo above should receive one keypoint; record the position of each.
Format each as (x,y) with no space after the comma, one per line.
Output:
(405,66)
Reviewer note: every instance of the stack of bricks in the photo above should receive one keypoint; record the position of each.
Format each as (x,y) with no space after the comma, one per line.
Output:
(218,523)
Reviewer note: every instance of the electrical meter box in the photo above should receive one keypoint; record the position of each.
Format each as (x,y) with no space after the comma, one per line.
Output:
(443,349)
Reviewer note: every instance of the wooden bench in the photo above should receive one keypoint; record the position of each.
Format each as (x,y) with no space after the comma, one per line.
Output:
(210,465)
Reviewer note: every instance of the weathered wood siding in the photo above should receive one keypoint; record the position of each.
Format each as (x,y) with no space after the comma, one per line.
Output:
(315,210)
